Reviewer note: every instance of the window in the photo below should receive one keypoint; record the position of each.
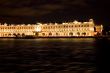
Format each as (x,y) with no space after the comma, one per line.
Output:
(84,33)
(43,34)
(70,33)
(64,26)
(57,34)
(50,33)
(87,25)
(78,33)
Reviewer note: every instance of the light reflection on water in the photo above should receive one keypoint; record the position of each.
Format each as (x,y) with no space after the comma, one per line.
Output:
(59,55)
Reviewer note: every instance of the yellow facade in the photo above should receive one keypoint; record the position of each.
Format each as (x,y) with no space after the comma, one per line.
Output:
(67,29)
(50,30)
(98,29)
(16,30)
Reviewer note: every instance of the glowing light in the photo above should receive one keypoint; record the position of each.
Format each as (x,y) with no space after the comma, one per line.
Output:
(55,23)
(91,29)
(28,24)
(39,23)
(38,28)
(5,24)
(75,22)
(29,29)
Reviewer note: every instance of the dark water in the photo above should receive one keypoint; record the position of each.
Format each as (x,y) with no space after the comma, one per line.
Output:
(77,55)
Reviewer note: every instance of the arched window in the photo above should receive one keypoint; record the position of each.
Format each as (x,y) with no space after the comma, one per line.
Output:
(9,34)
(43,34)
(18,34)
(50,33)
(71,34)
(64,26)
(23,34)
(5,34)
(36,33)
(14,34)
(84,33)
(57,34)
(78,33)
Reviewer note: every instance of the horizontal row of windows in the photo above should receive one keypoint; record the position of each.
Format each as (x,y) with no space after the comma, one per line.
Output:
(16,27)
(65,26)
(15,31)
(14,34)
(67,34)
(65,29)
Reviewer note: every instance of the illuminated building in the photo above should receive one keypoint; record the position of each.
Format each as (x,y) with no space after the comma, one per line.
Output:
(98,29)
(69,29)
(51,29)
(16,30)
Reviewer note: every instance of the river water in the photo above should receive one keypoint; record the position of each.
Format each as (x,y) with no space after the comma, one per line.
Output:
(53,55)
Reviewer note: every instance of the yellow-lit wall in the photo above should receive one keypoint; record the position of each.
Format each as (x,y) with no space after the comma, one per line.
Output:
(19,30)
(68,29)
(50,29)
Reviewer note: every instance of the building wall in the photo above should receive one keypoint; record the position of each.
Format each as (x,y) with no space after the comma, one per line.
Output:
(98,29)
(51,29)
(16,30)
(68,29)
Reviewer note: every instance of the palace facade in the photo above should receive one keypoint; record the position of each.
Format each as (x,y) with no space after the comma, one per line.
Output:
(16,30)
(51,29)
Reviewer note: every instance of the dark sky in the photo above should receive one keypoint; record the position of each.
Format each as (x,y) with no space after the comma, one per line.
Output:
(32,11)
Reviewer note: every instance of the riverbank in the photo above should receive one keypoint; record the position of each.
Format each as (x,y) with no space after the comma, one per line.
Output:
(35,37)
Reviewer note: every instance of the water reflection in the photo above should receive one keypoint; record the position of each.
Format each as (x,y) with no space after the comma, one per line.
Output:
(102,55)
(77,55)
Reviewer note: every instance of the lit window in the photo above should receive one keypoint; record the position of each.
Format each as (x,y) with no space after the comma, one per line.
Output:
(87,25)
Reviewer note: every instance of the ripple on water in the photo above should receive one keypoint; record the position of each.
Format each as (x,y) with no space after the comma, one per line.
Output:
(47,55)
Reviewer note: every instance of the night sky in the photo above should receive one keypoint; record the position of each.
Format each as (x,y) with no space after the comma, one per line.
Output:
(32,11)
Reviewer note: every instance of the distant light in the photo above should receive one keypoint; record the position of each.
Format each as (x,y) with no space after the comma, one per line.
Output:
(38,29)
(55,23)
(91,20)
(92,29)
(28,24)
(5,24)
(45,24)
(39,23)
(85,22)
(64,23)
(75,22)
(22,25)
(12,25)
